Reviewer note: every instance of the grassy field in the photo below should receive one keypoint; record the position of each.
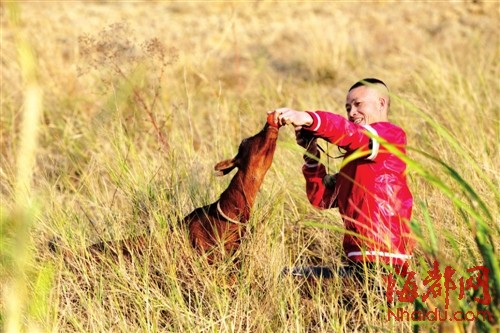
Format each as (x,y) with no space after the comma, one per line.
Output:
(114,114)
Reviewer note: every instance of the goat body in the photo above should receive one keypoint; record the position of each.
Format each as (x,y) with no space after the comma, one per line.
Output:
(222,224)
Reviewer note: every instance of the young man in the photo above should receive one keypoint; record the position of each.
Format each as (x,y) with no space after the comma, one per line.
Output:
(370,189)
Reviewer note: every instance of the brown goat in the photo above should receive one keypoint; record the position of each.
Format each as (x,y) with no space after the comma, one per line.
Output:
(221,225)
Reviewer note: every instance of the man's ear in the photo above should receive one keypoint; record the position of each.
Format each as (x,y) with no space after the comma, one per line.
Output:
(224,167)
(383,102)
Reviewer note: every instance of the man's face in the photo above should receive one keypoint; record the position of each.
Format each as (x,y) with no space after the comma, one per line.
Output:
(364,106)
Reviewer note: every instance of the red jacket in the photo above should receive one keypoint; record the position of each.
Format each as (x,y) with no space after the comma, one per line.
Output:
(371,190)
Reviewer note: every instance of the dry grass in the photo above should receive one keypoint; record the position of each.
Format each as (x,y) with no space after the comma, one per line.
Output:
(140,100)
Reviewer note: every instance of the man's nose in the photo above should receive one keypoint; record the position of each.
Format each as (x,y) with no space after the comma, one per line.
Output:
(352,112)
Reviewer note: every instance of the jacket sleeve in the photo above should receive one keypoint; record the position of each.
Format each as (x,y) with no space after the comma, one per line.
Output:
(343,133)
(319,195)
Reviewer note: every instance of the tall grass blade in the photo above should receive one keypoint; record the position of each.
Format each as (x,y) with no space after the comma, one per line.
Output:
(16,293)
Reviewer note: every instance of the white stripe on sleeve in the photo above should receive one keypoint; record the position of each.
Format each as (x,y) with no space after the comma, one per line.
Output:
(318,121)
(375,143)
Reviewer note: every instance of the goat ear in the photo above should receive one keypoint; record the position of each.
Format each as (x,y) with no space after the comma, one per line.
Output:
(224,167)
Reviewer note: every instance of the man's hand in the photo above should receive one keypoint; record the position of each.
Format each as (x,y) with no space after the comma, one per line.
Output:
(306,140)
(285,116)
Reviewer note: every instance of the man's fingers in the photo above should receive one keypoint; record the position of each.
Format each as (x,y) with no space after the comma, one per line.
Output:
(283,120)
(283,116)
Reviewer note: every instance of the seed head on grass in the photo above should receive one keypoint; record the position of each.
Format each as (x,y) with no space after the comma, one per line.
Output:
(115,52)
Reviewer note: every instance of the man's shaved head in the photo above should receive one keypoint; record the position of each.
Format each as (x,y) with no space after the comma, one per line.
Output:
(376,84)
